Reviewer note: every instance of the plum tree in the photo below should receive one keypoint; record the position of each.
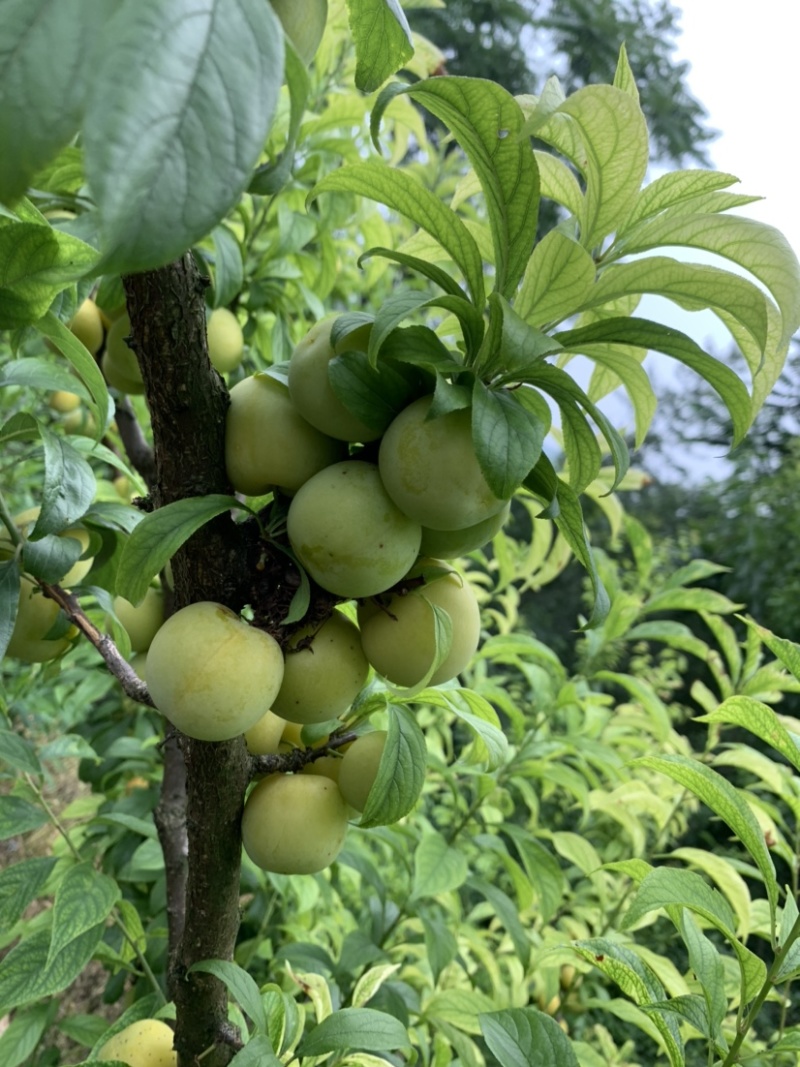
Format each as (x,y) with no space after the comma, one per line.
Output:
(303,23)
(211,674)
(398,631)
(268,443)
(430,469)
(311,389)
(294,823)
(325,669)
(225,340)
(145,1043)
(143,621)
(359,768)
(348,534)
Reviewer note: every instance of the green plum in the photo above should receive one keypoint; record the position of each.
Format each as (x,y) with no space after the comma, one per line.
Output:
(430,469)
(225,340)
(359,768)
(397,632)
(211,674)
(268,443)
(294,823)
(325,670)
(348,534)
(145,1043)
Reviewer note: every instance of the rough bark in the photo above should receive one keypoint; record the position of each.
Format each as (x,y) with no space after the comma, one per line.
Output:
(187,402)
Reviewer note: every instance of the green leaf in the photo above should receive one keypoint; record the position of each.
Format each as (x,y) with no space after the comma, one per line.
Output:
(760,720)
(41,100)
(491,743)
(228,267)
(271,177)
(706,962)
(665,886)
(690,1008)
(20,884)
(18,816)
(760,249)
(691,599)
(28,973)
(172,145)
(84,365)
(18,753)
(23,1033)
(375,394)
(517,345)
(84,900)
(399,190)
(680,188)
(506,911)
(559,182)
(488,122)
(258,1052)
(51,556)
(36,263)
(9,600)
(69,485)
(726,802)
(611,152)
(692,286)
(787,651)
(158,537)
(524,1037)
(507,436)
(558,280)
(567,393)
(382,39)
(639,982)
(39,373)
(440,944)
(652,335)
(421,266)
(401,771)
(438,867)
(621,368)
(569,521)
(355,1028)
(240,985)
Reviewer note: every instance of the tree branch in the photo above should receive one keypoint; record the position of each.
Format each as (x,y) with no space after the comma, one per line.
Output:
(139,453)
(130,681)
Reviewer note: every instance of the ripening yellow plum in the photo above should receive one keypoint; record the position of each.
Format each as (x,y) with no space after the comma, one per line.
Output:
(145,1043)
(36,616)
(303,23)
(397,632)
(213,675)
(322,678)
(359,768)
(450,544)
(142,621)
(294,823)
(119,363)
(87,325)
(225,340)
(63,401)
(430,469)
(268,443)
(310,387)
(348,534)
(25,522)
(263,738)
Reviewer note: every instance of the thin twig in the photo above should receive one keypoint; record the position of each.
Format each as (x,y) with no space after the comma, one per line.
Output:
(134,687)
(293,762)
